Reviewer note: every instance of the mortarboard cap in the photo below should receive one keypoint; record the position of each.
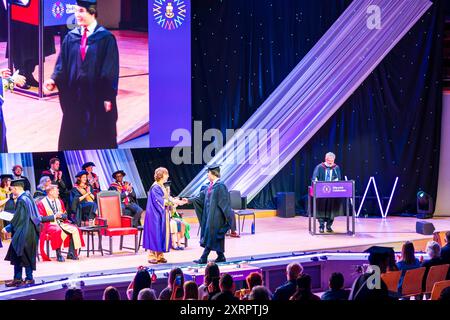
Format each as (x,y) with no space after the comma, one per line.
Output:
(18,182)
(214,167)
(4,176)
(117,172)
(167,184)
(377,253)
(86,3)
(87,164)
(81,173)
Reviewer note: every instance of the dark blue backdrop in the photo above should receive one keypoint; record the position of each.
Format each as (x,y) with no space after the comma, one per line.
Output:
(242,50)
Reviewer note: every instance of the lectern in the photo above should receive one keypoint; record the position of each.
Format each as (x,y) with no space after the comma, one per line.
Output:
(40,13)
(331,190)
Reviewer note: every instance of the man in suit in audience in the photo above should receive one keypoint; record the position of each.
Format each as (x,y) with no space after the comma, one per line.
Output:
(445,252)
(284,292)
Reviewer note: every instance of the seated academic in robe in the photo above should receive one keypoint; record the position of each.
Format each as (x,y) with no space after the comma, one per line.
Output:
(17,171)
(87,77)
(92,177)
(56,175)
(57,225)
(128,197)
(40,192)
(82,202)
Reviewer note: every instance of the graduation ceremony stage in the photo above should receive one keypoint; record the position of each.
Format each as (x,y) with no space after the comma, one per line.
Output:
(275,240)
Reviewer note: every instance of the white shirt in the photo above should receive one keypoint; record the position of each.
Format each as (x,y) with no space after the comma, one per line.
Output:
(90,28)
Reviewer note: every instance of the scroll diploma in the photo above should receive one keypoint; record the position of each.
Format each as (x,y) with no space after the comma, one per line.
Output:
(7,216)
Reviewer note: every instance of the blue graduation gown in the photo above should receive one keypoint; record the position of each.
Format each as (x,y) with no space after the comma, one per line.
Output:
(84,86)
(157,221)
(328,208)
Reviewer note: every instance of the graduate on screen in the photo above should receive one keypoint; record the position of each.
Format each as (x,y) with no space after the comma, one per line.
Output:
(87,76)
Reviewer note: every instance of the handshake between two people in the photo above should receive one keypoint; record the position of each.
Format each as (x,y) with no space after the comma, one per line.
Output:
(180,201)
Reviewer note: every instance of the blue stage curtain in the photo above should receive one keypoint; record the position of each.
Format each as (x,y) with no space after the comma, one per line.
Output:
(106,162)
(389,127)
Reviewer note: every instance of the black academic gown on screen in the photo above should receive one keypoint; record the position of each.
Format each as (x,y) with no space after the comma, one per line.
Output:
(25,233)
(328,208)
(3,145)
(84,86)
(215,215)
(3,23)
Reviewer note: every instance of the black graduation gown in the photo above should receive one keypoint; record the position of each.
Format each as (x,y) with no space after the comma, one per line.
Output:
(3,23)
(25,233)
(361,292)
(25,45)
(328,208)
(84,86)
(215,216)
(76,210)
(3,145)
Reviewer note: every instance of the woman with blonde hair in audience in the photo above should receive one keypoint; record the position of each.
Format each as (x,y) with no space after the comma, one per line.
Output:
(190,291)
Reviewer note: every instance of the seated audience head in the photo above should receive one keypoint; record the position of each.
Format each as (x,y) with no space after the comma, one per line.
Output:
(54,164)
(226,283)
(260,293)
(380,257)
(433,249)
(190,290)
(408,253)
(74,294)
(293,271)
(17,170)
(445,294)
(111,293)
(212,273)
(173,276)
(254,279)
(44,182)
(142,280)
(147,294)
(336,281)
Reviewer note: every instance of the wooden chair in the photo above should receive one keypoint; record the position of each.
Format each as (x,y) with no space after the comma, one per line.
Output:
(110,215)
(438,287)
(435,274)
(412,282)
(391,280)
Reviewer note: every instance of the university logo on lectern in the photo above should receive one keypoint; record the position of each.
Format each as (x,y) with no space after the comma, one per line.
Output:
(326,189)
(58,10)
(169,14)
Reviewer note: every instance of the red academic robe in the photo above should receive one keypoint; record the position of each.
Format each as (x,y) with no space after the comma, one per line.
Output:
(55,231)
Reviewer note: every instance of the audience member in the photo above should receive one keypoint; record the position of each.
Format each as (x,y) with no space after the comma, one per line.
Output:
(141,281)
(190,290)
(210,287)
(227,288)
(445,295)
(111,293)
(407,262)
(74,294)
(433,250)
(363,288)
(40,192)
(17,171)
(304,292)
(175,283)
(147,294)
(260,293)
(337,291)
(445,252)
(284,292)
(253,279)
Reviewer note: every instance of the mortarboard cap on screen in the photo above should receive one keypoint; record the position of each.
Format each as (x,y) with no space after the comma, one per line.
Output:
(86,3)
(81,173)
(118,172)
(214,166)
(5,176)
(18,182)
(87,164)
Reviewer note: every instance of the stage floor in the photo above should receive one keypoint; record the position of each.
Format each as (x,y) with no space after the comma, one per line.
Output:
(274,236)
(31,134)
